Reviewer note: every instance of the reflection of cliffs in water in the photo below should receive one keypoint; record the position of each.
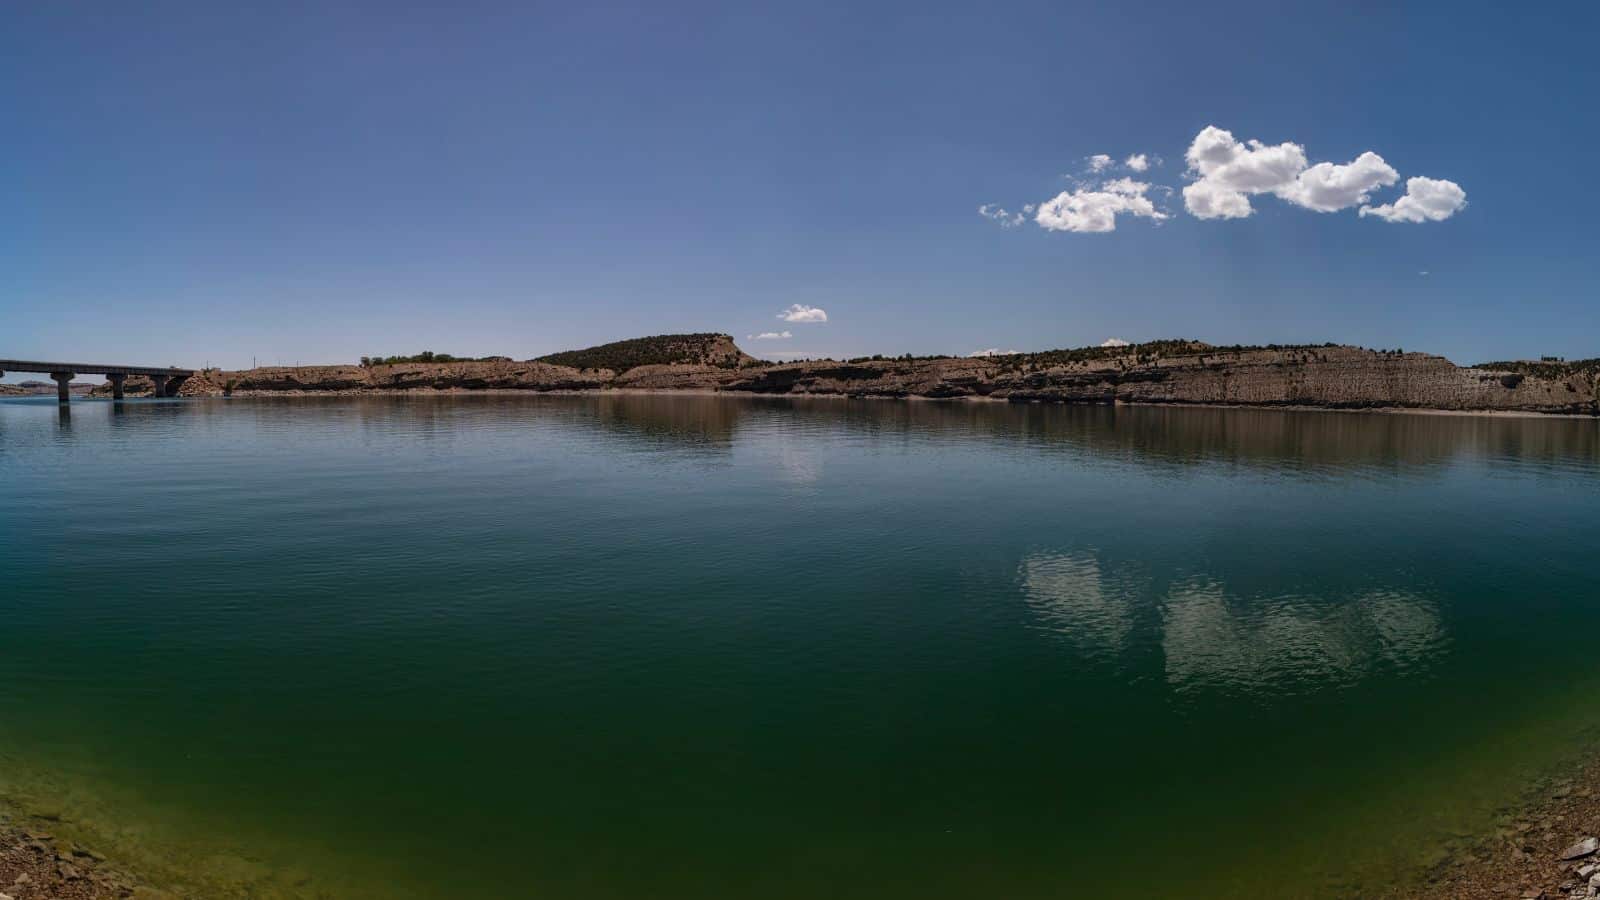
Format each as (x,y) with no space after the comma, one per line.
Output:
(1212,641)
(1165,437)
(700,426)
(1338,440)
(1162,436)
(708,422)
(1278,439)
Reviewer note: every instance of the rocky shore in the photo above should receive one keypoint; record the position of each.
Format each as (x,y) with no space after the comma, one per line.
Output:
(34,863)
(1547,850)
(1162,372)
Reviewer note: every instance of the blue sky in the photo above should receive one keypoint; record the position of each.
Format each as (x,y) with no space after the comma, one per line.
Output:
(202,183)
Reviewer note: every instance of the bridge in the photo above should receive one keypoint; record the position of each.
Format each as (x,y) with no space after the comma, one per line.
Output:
(166,380)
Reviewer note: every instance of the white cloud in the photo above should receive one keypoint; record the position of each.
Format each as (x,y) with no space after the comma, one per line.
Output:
(1251,166)
(1326,187)
(1228,172)
(994,351)
(1207,200)
(802,313)
(1087,210)
(1425,200)
(772,336)
(1115,342)
(1005,218)
(1224,174)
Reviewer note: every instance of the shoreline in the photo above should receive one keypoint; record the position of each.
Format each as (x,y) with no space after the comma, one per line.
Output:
(1390,409)
(36,863)
(1522,851)
(1544,846)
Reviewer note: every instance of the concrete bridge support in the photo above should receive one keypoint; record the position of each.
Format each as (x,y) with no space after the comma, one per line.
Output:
(63,380)
(165,379)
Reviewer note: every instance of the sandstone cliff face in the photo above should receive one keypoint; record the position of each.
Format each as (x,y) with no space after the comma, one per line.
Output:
(1335,377)
(1329,377)
(204,384)
(399,377)
(467,376)
(951,377)
(470,376)
(673,378)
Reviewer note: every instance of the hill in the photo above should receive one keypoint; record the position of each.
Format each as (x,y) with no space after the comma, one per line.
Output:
(707,349)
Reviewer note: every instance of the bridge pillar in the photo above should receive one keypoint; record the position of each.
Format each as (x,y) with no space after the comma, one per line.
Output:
(159,385)
(62,379)
(116,385)
(174,383)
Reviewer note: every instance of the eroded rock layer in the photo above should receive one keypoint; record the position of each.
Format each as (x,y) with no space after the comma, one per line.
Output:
(1335,377)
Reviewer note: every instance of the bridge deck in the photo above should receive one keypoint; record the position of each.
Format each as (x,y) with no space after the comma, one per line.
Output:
(25,365)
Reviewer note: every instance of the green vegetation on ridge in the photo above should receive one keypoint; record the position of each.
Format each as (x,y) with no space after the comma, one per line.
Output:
(427,356)
(1547,370)
(657,350)
(1147,352)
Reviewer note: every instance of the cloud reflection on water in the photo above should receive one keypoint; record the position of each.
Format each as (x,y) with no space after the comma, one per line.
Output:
(1068,593)
(1285,645)
(1213,640)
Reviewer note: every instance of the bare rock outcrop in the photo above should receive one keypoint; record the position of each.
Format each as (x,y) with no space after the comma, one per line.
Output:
(1332,377)
(452,376)
(1167,372)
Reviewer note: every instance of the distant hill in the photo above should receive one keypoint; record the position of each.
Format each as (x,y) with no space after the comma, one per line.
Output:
(34,386)
(427,356)
(658,350)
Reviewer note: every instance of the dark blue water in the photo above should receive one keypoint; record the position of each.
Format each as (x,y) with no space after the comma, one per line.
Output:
(671,646)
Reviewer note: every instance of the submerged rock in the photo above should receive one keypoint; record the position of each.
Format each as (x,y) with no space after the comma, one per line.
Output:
(1581,849)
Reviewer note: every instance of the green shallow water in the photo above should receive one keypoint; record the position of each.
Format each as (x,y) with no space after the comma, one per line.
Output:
(600,647)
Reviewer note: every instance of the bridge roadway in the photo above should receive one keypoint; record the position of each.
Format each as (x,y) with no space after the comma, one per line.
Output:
(167,379)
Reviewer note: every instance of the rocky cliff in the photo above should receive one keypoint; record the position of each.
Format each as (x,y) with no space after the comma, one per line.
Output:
(1173,372)
(1331,376)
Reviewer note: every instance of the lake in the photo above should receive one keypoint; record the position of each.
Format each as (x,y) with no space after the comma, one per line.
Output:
(673,646)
